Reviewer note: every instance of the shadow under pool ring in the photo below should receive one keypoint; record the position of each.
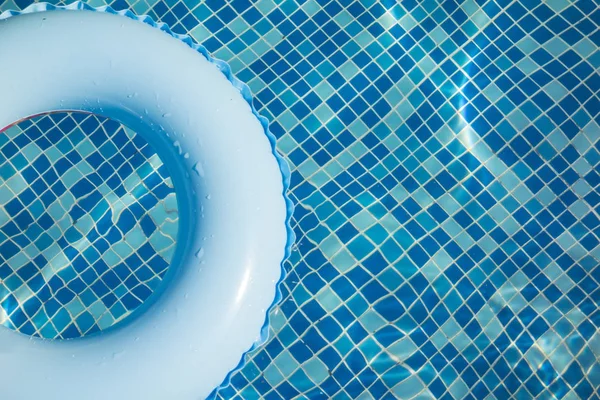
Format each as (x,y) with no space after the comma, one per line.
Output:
(230,183)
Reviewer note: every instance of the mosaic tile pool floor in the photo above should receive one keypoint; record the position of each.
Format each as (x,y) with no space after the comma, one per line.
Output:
(445,160)
(88,224)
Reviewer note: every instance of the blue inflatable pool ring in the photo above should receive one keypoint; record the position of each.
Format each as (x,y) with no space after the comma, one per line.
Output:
(234,216)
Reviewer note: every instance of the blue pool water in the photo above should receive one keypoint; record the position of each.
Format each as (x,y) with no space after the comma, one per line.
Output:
(88,224)
(445,174)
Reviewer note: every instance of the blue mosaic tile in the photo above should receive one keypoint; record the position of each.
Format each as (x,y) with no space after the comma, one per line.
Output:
(445,174)
(88,224)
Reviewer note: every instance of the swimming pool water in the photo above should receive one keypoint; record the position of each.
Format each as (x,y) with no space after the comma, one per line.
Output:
(88,224)
(445,175)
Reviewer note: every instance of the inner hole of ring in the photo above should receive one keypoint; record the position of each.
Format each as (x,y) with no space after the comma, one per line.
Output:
(89,224)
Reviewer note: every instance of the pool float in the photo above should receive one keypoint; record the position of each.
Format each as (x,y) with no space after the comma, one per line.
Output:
(230,183)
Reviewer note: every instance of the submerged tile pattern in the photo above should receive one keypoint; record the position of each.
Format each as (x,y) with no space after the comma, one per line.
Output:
(445,174)
(88,224)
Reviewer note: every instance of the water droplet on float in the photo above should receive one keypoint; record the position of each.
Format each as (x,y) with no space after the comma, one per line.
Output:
(198,169)
(186,155)
(208,196)
(200,253)
(167,115)
(186,296)
(117,355)
(132,95)
(178,146)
